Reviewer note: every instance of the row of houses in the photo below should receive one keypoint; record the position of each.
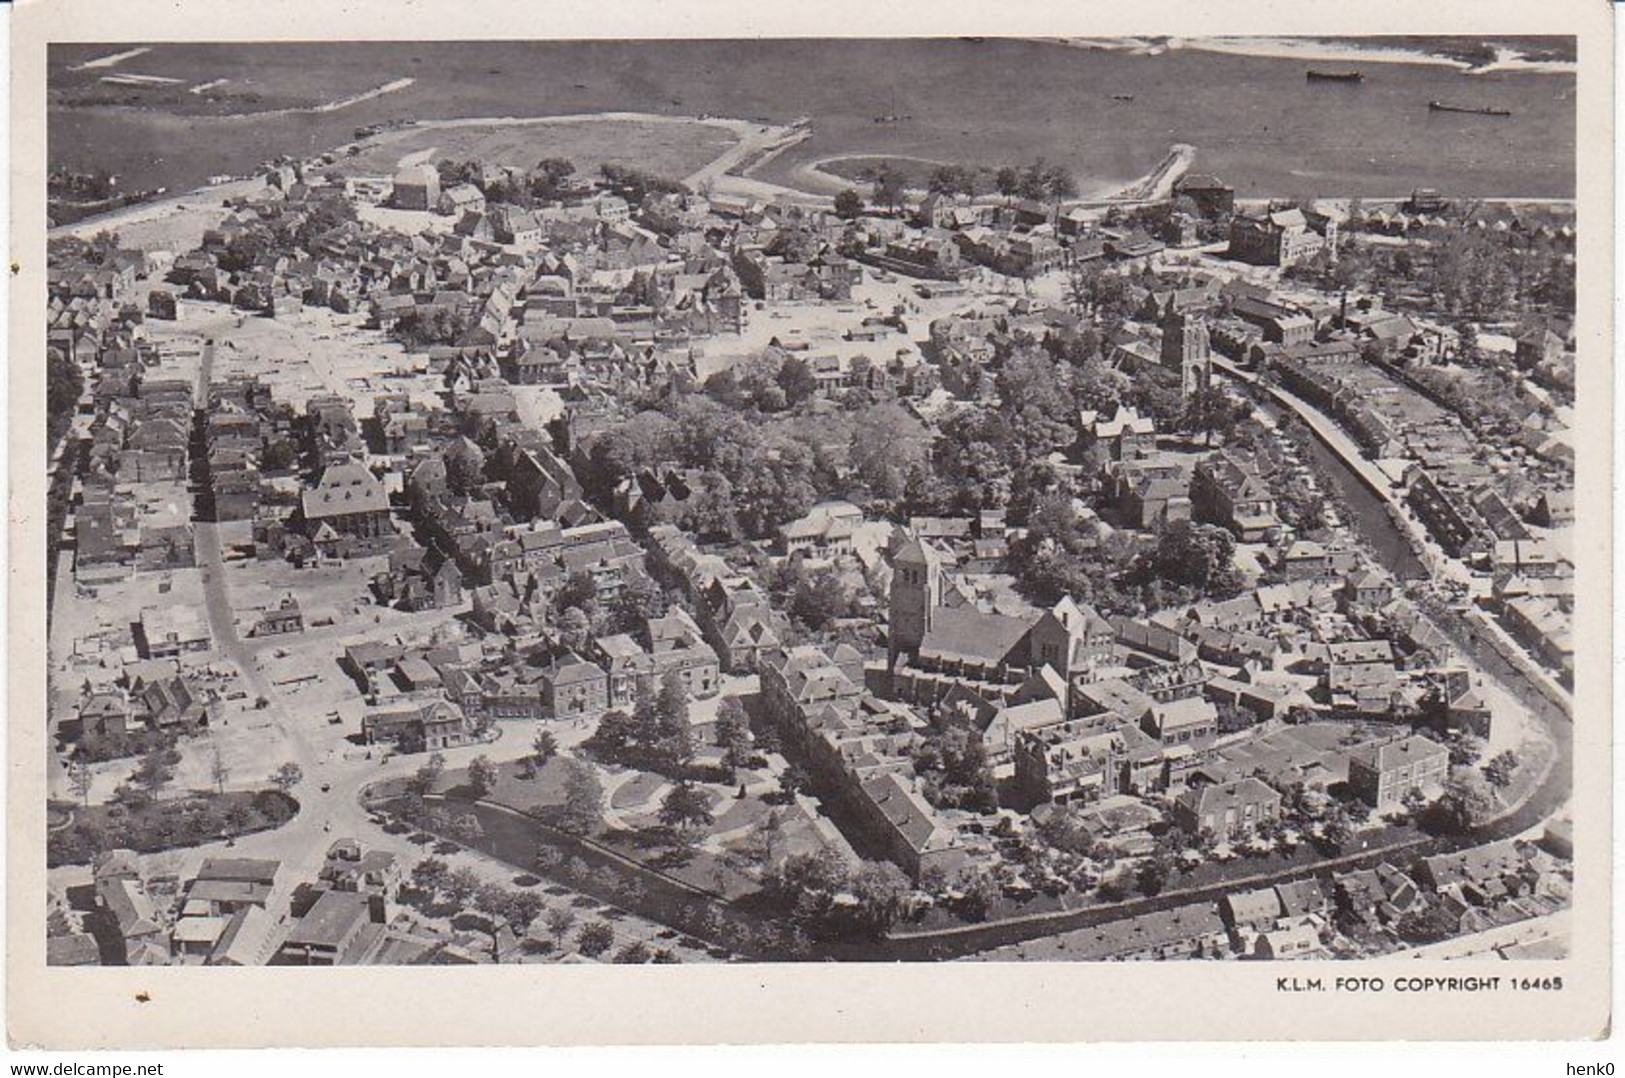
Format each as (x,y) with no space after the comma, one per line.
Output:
(441,698)
(734,613)
(859,745)
(1471,891)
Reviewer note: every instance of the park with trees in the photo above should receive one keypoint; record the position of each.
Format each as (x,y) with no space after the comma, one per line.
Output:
(141,818)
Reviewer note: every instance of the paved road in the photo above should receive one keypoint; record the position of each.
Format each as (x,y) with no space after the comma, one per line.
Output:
(324,815)
(303,837)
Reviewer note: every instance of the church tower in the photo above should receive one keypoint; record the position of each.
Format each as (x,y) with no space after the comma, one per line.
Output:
(1186,349)
(916,592)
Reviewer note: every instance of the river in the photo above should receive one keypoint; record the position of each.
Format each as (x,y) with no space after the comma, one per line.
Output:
(1255,121)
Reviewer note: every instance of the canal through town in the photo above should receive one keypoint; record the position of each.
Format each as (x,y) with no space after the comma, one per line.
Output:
(1360,508)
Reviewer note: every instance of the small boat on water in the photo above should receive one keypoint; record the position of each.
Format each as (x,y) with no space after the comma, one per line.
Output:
(1334,76)
(1471,110)
(1122,97)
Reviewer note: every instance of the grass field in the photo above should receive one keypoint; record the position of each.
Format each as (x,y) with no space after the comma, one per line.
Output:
(914,170)
(672,149)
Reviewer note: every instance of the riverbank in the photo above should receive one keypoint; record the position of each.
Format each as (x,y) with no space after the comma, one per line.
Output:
(1322,50)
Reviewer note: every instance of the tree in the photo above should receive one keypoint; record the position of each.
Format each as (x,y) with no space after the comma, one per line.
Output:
(544,746)
(686,808)
(630,889)
(890,187)
(887,443)
(1210,410)
(219,772)
(792,781)
(633,954)
(1468,351)
(278,455)
(493,899)
(1429,925)
(1467,803)
(453,172)
(818,598)
(1153,874)
(848,204)
(880,888)
(594,938)
(523,909)
(1500,770)
(806,883)
(1335,829)
(1031,184)
(430,874)
(438,326)
(1007,181)
(412,807)
(978,890)
(154,772)
(761,847)
(548,175)
(575,629)
(424,779)
(1055,182)
(482,775)
(638,601)
(461,884)
(1465,749)
(797,380)
(616,732)
(465,466)
(733,731)
(583,808)
(671,706)
(81,778)
(1199,555)
(1036,404)
(578,590)
(952,180)
(634,184)
(286,777)
(559,920)
(955,764)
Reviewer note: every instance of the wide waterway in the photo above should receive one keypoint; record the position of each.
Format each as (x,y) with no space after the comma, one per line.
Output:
(1255,121)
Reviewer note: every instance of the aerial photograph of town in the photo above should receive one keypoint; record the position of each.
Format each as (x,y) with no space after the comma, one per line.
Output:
(801,500)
